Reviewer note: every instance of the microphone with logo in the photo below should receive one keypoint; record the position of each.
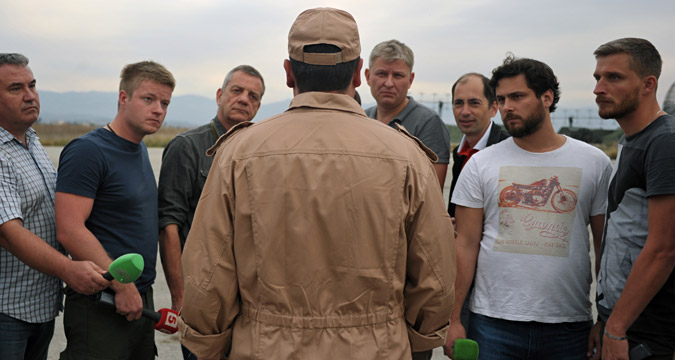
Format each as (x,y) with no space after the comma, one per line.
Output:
(126,268)
(166,320)
(465,349)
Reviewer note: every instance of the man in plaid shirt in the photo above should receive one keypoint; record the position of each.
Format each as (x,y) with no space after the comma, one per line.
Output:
(31,260)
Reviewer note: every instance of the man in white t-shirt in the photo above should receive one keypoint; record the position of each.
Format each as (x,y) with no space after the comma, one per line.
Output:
(523,209)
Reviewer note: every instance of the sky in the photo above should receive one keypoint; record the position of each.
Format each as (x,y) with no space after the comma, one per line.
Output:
(83,45)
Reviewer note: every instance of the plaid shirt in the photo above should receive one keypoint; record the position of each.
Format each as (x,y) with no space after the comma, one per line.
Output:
(27,183)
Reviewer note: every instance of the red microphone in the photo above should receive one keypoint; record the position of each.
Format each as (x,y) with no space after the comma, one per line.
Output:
(166,320)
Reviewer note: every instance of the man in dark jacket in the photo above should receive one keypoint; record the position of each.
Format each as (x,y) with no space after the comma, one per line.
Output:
(474,104)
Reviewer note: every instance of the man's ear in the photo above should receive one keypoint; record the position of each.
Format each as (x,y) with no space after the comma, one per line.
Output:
(356,78)
(649,84)
(547,98)
(290,78)
(122,99)
(493,109)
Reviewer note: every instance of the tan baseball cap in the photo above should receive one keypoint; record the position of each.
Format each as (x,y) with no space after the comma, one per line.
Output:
(324,26)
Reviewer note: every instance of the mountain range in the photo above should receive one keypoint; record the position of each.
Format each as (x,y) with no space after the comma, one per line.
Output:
(99,108)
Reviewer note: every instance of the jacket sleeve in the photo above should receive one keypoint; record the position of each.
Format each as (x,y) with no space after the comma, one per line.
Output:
(209,270)
(431,267)
(180,164)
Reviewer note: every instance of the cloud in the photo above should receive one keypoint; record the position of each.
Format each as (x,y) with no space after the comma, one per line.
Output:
(82,45)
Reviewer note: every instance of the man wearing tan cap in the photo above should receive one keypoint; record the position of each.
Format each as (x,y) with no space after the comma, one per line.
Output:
(320,233)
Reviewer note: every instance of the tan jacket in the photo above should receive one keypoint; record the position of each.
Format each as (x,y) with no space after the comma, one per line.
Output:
(320,234)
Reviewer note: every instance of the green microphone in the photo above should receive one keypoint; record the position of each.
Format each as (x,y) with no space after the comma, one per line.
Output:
(465,349)
(126,268)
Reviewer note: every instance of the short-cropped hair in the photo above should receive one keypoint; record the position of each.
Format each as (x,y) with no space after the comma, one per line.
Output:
(309,77)
(246,69)
(133,74)
(645,60)
(392,50)
(13,59)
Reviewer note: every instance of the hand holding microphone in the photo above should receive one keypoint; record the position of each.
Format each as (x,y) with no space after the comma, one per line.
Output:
(126,269)
(166,320)
(465,349)
(457,346)
(84,277)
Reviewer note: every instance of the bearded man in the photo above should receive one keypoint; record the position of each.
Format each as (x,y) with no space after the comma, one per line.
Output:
(524,205)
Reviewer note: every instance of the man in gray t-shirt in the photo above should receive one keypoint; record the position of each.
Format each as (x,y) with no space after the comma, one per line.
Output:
(636,284)
(389,76)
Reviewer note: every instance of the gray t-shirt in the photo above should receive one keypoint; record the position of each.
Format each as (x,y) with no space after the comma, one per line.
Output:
(424,124)
(645,167)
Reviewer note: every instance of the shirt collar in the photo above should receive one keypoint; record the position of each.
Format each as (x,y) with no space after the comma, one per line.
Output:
(220,129)
(482,143)
(6,136)
(406,110)
(328,101)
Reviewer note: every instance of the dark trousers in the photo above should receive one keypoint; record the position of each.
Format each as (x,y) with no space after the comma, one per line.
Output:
(660,347)
(96,331)
(187,355)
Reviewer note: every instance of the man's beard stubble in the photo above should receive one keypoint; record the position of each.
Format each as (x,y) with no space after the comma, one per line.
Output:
(530,124)
(622,107)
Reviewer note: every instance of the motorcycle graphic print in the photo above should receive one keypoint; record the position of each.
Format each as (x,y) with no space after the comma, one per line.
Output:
(537,209)
(537,194)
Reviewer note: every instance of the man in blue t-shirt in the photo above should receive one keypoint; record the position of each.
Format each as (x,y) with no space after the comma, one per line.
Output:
(636,284)
(106,206)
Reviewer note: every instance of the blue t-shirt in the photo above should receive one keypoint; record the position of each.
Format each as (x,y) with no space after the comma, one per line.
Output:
(117,174)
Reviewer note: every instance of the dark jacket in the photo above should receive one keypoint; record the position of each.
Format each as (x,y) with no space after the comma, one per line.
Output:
(497,134)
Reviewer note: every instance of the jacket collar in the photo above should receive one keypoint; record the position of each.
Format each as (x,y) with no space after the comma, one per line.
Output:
(327,101)
(483,142)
